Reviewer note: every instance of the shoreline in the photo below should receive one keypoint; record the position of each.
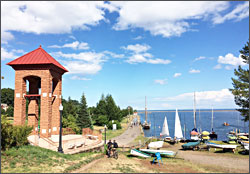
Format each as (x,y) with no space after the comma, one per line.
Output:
(224,110)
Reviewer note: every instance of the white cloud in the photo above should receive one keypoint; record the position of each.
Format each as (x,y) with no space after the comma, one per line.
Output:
(72,37)
(158,61)
(230,59)
(5,54)
(193,71)
(79,67)
(161,82)
(165,18)
(218,66)
(221,99)
(85,62)
(137,48)
(138,38)
(177,74)
(240,12)
(74,45)
(199,58)
(140,55)
(114,55)
(92,57)
(54,17)
(79,78)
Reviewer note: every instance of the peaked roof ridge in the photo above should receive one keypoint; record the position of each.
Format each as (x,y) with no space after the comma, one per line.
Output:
(37,56)
(22,56)
(46,54)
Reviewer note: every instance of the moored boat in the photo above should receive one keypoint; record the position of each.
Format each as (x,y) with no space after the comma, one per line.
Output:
(146,125)
(212,134)
(225,124)
(177,131)
(165,131)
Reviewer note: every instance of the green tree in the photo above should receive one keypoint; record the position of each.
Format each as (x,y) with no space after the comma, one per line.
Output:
(84,120)
(7,96)
(112,109)
(10,111)
(241,85)
(3,112)
(101,107)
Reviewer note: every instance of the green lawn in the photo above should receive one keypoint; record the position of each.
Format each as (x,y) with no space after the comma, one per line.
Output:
(33,159)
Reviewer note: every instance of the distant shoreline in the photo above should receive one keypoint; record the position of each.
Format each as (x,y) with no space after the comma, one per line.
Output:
(222,110)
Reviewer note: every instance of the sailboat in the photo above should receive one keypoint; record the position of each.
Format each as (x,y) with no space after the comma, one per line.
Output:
(212,134)
(146,125)
(177,131)
(194,135)
(165,131)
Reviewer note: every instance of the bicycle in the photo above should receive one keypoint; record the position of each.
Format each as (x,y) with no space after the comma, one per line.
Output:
(114,153)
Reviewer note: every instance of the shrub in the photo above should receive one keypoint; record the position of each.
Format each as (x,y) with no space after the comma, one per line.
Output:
(118,124)
(13,136)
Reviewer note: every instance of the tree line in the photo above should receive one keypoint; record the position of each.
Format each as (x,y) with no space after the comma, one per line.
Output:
(77,114)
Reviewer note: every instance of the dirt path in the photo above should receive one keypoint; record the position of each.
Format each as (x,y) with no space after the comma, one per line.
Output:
(128,136)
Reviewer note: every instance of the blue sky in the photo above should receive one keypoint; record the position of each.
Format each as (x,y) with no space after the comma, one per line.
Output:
(162,50)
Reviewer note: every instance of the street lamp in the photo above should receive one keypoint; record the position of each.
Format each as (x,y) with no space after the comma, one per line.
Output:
(105,127)
(60,149)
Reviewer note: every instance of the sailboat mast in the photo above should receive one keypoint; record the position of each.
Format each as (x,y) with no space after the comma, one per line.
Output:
(184,126)
(200,118)
(194,112)
(145,108)
(212,119)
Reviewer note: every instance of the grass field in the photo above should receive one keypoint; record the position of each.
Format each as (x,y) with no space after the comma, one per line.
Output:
(33,159)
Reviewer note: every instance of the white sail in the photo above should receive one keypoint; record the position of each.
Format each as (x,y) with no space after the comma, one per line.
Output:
(178,131)
(165,130)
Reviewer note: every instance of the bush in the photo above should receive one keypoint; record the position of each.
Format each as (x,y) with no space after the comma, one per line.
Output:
(13,136)
(118,124)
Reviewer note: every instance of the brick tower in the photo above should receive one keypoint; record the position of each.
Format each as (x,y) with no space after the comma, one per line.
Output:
(44,75)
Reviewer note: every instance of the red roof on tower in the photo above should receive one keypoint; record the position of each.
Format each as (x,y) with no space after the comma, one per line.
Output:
(37,56)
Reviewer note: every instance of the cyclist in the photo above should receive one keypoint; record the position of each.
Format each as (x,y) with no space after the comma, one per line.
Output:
(115,146)
(109,148)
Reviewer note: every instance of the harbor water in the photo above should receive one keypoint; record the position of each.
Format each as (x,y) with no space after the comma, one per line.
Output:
(203,122)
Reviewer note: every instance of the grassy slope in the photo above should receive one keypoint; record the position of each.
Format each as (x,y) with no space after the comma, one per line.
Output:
(32,159)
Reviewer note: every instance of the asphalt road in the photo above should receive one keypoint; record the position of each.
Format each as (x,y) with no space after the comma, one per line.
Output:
(128,136)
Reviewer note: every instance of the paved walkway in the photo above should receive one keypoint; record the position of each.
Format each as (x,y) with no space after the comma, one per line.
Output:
(128,136)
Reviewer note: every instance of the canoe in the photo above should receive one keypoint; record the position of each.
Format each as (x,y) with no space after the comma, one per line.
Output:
(156,144)
(165,153)
(221,146)
(136,152)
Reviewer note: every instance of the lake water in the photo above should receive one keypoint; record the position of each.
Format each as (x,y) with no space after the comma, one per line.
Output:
(186,117)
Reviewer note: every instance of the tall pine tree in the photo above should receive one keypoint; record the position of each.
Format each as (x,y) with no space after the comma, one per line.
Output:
(84,120)
(241,85)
